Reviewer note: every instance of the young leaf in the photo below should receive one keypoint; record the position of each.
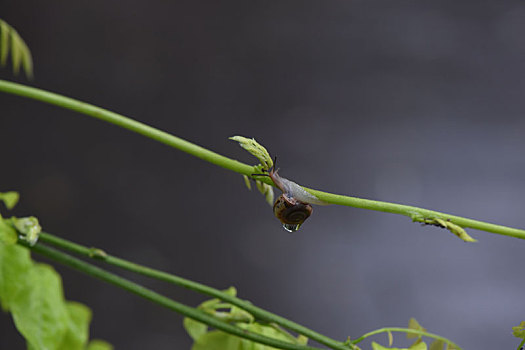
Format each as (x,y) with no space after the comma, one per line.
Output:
(10,41)
(194,328)
(4,42)
(519,331)
(437,345)
(419,346)
(266,190)
(256,149)
(413,324)
(9,198)
(455,229)
(247,182)
(98,344)
(216,340)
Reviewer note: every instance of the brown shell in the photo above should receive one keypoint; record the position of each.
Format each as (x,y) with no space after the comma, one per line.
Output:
(290,211)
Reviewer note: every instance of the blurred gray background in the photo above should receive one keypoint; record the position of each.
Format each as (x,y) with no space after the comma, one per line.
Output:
(416,102)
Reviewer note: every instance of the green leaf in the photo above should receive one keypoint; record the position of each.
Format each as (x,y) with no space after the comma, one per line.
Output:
(10,40)
(302,340)
(436,345)
(194,328)
(15,262)
(256,149)
(460,232)
(455,229)
(8,234)
(216,340)
(247,182)
(266,190)
(9,198)
(419,346)
(77,334)
(98,344)
(4,42)
(38,308)
(413,324)
(519,331)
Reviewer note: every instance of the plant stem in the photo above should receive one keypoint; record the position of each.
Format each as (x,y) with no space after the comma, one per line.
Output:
(414,212)
(157,298)
(126,123)
(405,330)
(520,347)
(234,165)
(257,312)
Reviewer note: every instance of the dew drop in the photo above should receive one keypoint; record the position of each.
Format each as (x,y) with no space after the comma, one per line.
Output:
(291,227)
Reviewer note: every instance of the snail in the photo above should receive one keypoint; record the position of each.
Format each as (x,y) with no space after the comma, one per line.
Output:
(292,207)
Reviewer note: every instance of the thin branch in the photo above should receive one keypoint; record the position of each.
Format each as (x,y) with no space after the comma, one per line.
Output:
(157,298)
(85,108)
(405,330)
(257,312)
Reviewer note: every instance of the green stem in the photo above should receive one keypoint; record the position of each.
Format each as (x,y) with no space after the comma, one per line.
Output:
(157,298)
(405,330)
(521,344)
(257,312)
(215,158)
(415,212)
(126,123)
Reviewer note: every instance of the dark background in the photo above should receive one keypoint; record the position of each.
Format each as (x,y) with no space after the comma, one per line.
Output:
(416,102)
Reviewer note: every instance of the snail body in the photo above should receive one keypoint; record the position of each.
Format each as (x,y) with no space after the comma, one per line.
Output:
(292,207)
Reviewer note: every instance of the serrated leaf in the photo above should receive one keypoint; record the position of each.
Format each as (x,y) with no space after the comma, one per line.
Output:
(98,344)
(519,331)
(256,149)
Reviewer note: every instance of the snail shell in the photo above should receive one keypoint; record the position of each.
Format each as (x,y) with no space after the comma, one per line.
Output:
(292,207)
(290,211)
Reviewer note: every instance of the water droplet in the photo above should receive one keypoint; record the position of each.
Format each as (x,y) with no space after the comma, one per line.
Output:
(291,227)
